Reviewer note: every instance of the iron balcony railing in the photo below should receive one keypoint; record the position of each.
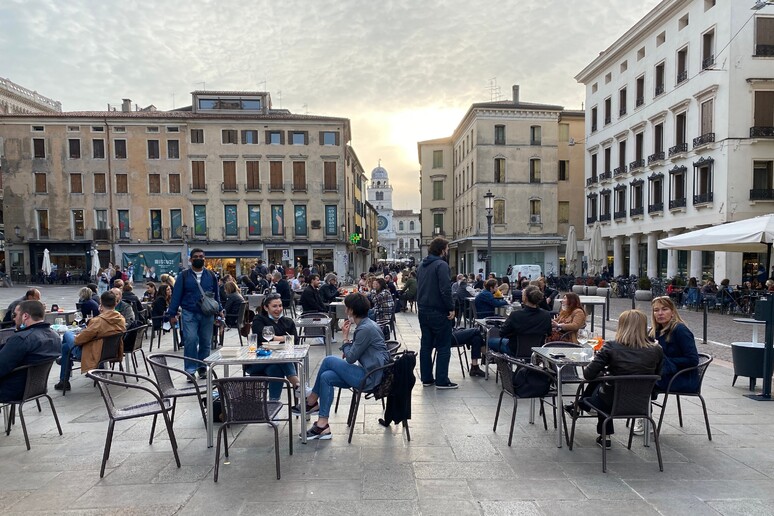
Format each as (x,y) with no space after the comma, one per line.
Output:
(605,176)
(704,139)
(655,207)
(707,62)
(682,76)
(604,217)
(620,214)
(677,203)
(637,163)
(761,194)
(619,171)
(703,198)
(761,132)
(656,157)
(677,149)
(633,212)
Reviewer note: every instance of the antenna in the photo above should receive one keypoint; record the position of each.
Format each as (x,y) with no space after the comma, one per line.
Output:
(494,90)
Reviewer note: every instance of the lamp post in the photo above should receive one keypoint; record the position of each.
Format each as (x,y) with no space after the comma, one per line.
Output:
(184,235)
(489,205)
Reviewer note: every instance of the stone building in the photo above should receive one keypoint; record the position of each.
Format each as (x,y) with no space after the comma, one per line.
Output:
(380,196)
(408,232)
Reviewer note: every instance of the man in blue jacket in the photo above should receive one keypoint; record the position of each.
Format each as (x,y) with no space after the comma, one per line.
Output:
(486,303)
(436,315)
(34,341)
(196,326)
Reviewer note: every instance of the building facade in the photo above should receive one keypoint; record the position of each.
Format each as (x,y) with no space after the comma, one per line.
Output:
(521,152)
(380,196)
(408,232)
(680,127)
(229,174)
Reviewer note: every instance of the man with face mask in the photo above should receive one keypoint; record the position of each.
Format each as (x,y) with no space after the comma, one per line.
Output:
(436,315)
(33,342)
(196,326)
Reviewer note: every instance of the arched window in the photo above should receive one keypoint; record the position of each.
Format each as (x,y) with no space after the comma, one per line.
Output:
(534,170)
(411,228)
(400,227)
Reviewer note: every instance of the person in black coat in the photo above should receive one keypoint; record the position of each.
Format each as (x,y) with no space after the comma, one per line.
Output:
(232,304)
(330,290)
(283,288)
(530,320)
(130,297)
(310,297)
(160,304)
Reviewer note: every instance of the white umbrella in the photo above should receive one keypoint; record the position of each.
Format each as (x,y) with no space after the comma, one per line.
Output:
(46,262)
(571,252)
(95,266)
(597,252)
(745,236)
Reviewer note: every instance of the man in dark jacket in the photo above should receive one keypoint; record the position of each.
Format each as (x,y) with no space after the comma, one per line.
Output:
(436,315)
(283,288)
(530,320)
(310,297)
(33,342)
(330,290)
(32,294)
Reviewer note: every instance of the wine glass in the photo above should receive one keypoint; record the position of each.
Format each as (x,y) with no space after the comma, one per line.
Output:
(508,310)
(583,336)
(268,333)
(78,317)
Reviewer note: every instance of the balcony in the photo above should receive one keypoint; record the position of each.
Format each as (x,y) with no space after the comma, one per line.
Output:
(155,235)
(604,217)
(707,62)
(605,176)
(678,149)
(591,220)
(122,235)
(659,90)
(78,234)
(636,164)
(101,235)
(761,132)
(656,157)
(761,194)
(677,203)
(232,235)
(330,187)
(703,198)
(656,207)
(299,187)
(229,187)
(252,188)
(704,139)
(619,171)
(276,187)
(620,214)
(591,180)
(764,50)
(622,112)
(198,188)
(682,76)
(634,212)
(640,101)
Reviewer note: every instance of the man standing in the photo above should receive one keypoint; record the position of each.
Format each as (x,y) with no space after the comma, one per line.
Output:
(34,341)
(196,326)
(436,313)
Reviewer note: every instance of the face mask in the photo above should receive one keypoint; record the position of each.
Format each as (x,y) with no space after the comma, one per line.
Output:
(198,263)
(272,317)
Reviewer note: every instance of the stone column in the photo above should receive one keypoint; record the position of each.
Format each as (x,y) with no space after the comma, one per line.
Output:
(695,265)
(634,255)
(652,255)
(618,255)
(728,265)
(671,259)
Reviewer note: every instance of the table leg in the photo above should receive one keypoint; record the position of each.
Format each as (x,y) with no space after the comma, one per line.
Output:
(302,401)
(328,339)
(209,407)
(559,402)
(592,318)
(603,322)
(755,334)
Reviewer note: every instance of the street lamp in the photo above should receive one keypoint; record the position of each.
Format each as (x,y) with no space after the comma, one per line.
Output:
(489,205)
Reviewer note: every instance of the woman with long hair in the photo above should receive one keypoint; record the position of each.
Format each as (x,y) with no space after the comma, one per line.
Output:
(89,307)
(571,318)
(678,343)
(631,353)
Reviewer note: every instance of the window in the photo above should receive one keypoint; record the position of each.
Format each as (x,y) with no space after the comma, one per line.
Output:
(594,87)
(154,183)
(622,156)
(330,182)
(38,148)
(253,176)
(608,77)
(534,211)
(230,219)
(275,175)
(656,193)
(119,129)
(636,207)
(708,4)
(275,137)
(76,183)
(702,181)
(98,148)
(100,183)
(173,129)
(499,211)
(763,181)
(437,190)
(197,135)
(535,135)
(299,176)
(622,102)
(677,187)
(100,220)
(173,149)
(591,208)
(604,205)
(331,220)
(155,225)
(254,220)
(639,147)
(641,54)
(174,183)
(437,222)
(74,146)
(534,171)
(229,136)
(122,184)
(607,153)
(73,128)
(763,114)
(594,166)
(499,134)
(564,132)
(42,216)
(200,220)
(277,219)
(608,110)
(329,138)
(198,182)
(564,170)
(563,212)
(499,170)
(40,183)
(640,86)
(682,22)
(250,137)
(659,80)
(119,149)
(764,36)
(153,149)
(658,139)
(123,225)
(437,159)
(77,223)
(594,119)
(706,116)
(619,206)
(624,66)
(400,227)
(680,132)
(708,49)
(176,223)
(411,225)
(682,65)
(298,137)
(379,196)
(152,129)
(229,176)
(661,39)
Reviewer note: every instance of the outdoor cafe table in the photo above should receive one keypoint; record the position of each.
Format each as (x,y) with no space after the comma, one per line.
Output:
(339,308)
(299,356)
(317,322)
(573,357)
(67,315)
(755,324)
(593,301)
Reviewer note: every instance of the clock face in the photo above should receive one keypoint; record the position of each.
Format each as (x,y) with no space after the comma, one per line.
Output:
(381,223)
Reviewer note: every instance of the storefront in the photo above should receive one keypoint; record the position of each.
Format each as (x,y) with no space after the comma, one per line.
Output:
(72,257)
(236,262)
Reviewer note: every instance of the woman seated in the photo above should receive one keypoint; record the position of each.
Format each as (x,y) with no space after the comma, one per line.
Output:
(89,308)
(504,286)
(363,343)
(631,353)
(160,305)
(150,292)
(678,344)
(571,318)
(271,316)
(232,303)
(383,304)
(409,289)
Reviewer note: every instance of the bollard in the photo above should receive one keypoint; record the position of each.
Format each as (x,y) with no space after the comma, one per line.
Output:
(705,322)
(608,304)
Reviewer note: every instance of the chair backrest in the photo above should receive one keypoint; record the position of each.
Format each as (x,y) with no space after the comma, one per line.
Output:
(525,343)
(111,345)
(6,333)
(473,309)
(704,361)
(313,315)
(37,378)
(245,399)
(505,371)
(105,377)
(161,370)
(392,346)
(631,394)
(242,313)
(561,344)
(133,338)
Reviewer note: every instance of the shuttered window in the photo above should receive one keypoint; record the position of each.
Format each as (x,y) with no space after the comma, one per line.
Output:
(229,176)
(197,175)
(330,176)
(100,185)
(275,175)
(253,175)
(299,176)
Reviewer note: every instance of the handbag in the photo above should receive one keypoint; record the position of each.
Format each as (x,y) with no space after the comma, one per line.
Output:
(207,305)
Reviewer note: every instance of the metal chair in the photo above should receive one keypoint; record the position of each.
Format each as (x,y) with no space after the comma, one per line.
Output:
(631,399)
(461,352)
(393,348)
(157,405)
(311,333)
(704,361)
(359,391)
(159,363)
(35,387)
(241,315)
(133,340)
(245,401)
(111,354)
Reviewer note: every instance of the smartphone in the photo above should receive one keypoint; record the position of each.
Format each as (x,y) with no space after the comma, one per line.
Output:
(556,355)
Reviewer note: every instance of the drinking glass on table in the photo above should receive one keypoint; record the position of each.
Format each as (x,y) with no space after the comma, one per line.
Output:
(78,317)
(268,333)
(583,336)
(252,342)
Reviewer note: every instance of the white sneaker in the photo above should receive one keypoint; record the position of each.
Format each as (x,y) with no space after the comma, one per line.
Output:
(639,427)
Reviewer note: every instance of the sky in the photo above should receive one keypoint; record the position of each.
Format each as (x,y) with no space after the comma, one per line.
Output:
(402,71)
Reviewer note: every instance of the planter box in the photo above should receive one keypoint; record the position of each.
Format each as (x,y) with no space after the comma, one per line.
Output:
(579,289)
(643,295)
(602,291)
(591,291)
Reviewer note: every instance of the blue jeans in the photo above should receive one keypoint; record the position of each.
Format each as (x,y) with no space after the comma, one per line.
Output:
(68,343)
(197,337)
(335,372)
(275,371)
(471,337)
(500,346)
(436,333)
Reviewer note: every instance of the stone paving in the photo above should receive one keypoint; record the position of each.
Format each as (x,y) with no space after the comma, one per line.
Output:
(454,463)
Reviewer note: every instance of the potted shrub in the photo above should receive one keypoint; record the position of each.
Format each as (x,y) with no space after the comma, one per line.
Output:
(603,288)
(643,293)
(580,286)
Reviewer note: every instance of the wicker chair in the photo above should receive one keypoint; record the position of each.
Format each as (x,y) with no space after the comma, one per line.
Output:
(157,405)
(36,387)
(111,347)
(241,315)
(160,364)
(133,341)
(246,402)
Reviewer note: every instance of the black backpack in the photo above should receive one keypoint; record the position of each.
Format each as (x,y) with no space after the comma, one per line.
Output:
(530,384)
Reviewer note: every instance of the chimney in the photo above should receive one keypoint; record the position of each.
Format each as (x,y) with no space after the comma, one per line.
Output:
(515,93)
(126,105)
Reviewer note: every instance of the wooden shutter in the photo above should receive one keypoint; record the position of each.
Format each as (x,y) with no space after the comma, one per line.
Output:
(229,175)
(122,183)
(275,174)
(40,183)
(706,117)
(253,175)
(154,183)
(99,183)
(299,175)
(174,183)
(330,175)
(76,183)
(197,175)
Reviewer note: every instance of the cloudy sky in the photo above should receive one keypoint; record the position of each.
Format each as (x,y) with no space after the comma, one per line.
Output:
(401,70)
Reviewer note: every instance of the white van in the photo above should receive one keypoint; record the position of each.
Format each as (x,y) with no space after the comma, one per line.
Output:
(531,272)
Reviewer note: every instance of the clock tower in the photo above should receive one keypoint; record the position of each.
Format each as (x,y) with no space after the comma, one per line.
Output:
(380,196)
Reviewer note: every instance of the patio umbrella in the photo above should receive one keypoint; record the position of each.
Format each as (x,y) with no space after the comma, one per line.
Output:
(95,266)
(46,262)
(571,253)
(597,251)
